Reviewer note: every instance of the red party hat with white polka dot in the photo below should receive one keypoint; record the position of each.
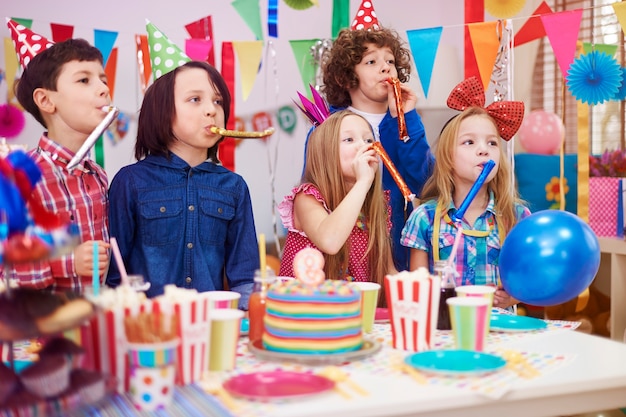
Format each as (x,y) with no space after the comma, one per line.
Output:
(366,17)
(27,43)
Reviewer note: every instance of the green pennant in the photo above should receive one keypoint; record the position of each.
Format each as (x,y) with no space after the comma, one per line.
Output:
(341,16)
(304,60)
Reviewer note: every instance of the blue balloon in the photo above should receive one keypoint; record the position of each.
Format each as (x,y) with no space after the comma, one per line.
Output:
(549,258)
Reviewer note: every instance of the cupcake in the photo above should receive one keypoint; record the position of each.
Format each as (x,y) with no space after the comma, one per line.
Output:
(90,385)
(8,382)
(48,377)
(60,347)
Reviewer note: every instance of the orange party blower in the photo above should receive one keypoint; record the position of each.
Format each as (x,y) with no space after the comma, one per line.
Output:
(408,195)
(397,92)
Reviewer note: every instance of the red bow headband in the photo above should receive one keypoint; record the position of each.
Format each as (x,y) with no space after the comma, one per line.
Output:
(508,115)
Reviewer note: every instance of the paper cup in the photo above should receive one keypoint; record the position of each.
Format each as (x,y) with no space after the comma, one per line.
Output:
(225,325)
(470,318)
(152,388)
(223,299)
(369,300)
(484,291)
(152,355)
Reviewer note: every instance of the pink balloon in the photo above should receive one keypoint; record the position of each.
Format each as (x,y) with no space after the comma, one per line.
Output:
(541,132)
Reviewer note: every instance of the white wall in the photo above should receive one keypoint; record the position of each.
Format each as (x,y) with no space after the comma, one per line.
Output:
(277,82)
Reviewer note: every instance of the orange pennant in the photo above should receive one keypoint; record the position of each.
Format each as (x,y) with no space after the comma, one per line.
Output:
(143,61)
(485,41)
(111,71)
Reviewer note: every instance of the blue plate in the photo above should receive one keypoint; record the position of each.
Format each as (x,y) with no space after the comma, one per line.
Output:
(245,327)
(455,362)
(511,323)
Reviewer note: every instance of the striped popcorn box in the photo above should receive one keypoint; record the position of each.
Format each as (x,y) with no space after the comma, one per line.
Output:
(413,301)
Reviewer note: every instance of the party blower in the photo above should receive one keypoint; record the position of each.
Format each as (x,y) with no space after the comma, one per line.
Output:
(93,137)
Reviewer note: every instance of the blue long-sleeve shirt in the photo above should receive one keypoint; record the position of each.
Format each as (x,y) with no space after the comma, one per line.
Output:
(192,227)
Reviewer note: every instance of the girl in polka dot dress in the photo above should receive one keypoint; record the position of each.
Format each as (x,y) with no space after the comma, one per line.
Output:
(340,207)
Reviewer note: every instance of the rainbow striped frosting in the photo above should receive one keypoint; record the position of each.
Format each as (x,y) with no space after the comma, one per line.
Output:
(312,320)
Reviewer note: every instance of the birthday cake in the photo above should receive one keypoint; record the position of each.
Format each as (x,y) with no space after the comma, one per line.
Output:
(312,316)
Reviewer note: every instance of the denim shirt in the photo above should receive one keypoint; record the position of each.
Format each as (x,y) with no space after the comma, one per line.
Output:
(185,226)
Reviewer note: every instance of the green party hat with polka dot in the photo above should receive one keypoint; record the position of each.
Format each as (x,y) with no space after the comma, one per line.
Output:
(164,54)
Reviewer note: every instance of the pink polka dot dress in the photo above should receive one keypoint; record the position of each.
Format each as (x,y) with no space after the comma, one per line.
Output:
(297,239)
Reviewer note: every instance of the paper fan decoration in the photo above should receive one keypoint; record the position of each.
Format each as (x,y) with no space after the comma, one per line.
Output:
(12,121)
(594,78)
(504,9)
(301,4)
(621,92)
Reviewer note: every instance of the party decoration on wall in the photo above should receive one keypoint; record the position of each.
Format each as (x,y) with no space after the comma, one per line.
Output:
(287,119)
(119,128)
(621,92)
(594,78)
(226,150)
(10,68)
(341,16)
(485,41)
(202,29)
(504,9)
(549,258)
(27,23)
(249,58)
(261,121)
(562,30)
(502,73)
(318,50)
(474,12)
(600,47)
(301,4)
(542,132)
(143,61)
(365,17)
(61,32)
(104,41)
(272,18)
(12,121)
(533,28)
(620,11)
(301,52)
(164,54)
(424,44)
(198,49)
(250,12)
(26,43)
(110,70)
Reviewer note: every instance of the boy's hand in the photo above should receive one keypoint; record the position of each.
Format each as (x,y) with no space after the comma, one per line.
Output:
(83,257)
(408,99)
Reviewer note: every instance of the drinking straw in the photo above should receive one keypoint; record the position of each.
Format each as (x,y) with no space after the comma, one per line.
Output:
(96,270)
(262,255)
(118,261)
(458,216)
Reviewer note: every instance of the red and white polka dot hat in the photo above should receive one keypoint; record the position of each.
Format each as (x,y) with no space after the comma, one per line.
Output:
(27,43)
(365,17)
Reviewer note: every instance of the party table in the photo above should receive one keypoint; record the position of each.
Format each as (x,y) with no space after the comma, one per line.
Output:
(574,373)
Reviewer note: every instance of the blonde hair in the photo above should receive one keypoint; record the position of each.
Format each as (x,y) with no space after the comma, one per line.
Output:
(323,169)
(440,185)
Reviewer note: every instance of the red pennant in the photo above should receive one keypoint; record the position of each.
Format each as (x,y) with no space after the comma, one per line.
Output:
(533,28)
(474,13)
(143,61)
(203,29)
(60,32)
(227,147)
(111,71)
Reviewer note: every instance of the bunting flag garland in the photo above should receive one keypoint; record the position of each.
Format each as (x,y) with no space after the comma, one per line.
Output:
(104,41)
(486,42)
(302,52)
(27,23)
(562,29)
(341,17)
(474,12)
(226,151)
(249,58)
(533,28)
(589,47)
(620,12)
(111,71)
(143,61)
(203,29)
(199,49)
(250,12)
(10,68)
(424,44)
(60,32)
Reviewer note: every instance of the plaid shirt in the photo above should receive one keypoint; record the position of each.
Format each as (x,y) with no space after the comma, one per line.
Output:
(80,197)
(476,257)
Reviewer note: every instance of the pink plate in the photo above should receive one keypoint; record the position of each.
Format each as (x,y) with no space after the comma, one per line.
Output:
(277,385)
(381,315)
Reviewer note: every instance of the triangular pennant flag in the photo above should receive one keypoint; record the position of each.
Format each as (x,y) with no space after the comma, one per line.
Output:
(533,28)
(226,150)
(304,61)
(620,11)
(365,17)
(198,49)
(203,29)
(143,61)
(10,67)
(341,16)
(248,57)
(27,23)
(250,12)
(104,41)
(164,54)
(485,43)
(424,44)
(111,71)
(26,43)
(600,47)
(562,29)
(60,32)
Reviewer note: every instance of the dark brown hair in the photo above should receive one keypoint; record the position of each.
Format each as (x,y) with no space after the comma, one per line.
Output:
(347,51)
(158,110)
(44,69)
